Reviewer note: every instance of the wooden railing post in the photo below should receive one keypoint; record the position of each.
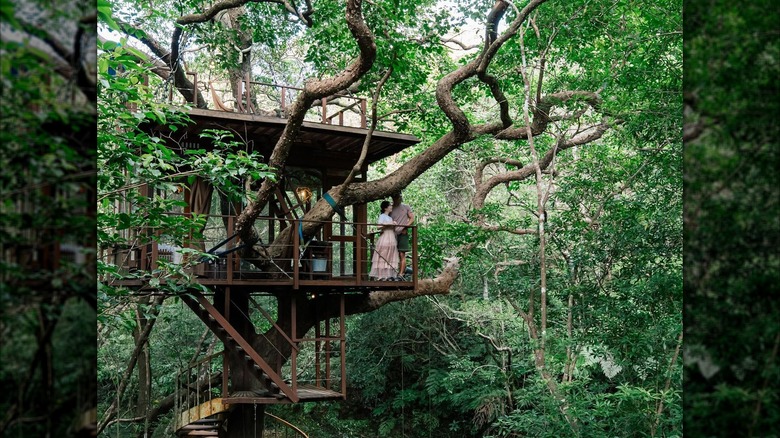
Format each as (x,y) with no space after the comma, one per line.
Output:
(327,353)
(324,110)
(294,336)
(296,254)
(317,352)
(360,232)
(194,88)
(229,258)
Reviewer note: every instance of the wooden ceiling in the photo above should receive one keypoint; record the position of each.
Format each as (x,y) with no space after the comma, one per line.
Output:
(318,145)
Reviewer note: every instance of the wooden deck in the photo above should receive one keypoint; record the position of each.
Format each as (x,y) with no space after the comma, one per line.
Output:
(306,393)
(275,285)
(203,416)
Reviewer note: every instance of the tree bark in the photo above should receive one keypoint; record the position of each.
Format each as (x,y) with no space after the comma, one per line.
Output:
(144,363)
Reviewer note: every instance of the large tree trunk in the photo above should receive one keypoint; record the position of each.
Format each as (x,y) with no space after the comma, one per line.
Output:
(246,421)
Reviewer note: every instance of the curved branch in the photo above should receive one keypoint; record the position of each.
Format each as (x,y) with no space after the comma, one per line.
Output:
(478,174)
(478,66)
(355,304)
(541,113)
(587,136)
(364,150)
(491,32)
(180,80)
(312,90)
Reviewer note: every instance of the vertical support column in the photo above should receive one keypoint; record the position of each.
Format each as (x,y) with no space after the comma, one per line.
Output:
(284,102)
(248,86)
(317,366)
(327,353)
(360,232)
(363,109)
(229,257)
(324,110)
(296,255)
(194,88)
(225,358)
(240,96)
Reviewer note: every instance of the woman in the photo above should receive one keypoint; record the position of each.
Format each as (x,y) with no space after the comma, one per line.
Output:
(385,260)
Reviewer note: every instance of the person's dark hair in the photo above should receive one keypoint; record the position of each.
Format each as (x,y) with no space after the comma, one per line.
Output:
(383,206)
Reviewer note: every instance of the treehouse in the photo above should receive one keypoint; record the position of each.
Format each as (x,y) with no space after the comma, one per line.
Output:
(281,319)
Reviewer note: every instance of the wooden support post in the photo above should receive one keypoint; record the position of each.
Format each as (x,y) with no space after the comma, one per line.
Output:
(324,110)
(194,88)
(225,359)
(284,102)
(317,375)
(360,232)
(327,353)
(249,106)
(229,258)
(296,255)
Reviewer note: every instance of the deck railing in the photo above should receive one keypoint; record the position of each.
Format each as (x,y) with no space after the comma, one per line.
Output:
(339,254)
(195,385)
(273,100)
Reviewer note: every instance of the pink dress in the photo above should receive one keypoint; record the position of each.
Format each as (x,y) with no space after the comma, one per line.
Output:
(384,262)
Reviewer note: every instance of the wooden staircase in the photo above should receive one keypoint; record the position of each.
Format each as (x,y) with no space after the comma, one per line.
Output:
(216,322)
(212,426)
(202,407)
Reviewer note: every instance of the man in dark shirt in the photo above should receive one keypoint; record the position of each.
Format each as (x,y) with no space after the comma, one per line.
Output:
(402,214)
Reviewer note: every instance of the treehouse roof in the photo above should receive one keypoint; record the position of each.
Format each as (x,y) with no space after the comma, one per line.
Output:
(318,144)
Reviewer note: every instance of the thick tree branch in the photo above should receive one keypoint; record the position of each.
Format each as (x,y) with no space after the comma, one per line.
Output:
(529,169)
(313,90)
(460,124)
(364,150)
(541,112)
(180,80)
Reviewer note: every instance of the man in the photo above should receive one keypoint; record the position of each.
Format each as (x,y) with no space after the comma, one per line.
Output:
(402,214)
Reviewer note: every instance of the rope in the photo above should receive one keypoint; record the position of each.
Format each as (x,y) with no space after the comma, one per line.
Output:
(326,196)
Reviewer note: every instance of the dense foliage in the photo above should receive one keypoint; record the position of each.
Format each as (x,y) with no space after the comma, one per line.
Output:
(47,220)
(731,214)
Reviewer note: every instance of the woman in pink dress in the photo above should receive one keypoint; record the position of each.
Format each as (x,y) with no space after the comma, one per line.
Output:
(385,260)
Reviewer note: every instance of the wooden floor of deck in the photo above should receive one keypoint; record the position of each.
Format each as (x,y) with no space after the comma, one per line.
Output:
(306,393)
(335,284)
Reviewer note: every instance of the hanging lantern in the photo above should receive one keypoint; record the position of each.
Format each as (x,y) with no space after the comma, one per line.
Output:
(304,194)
